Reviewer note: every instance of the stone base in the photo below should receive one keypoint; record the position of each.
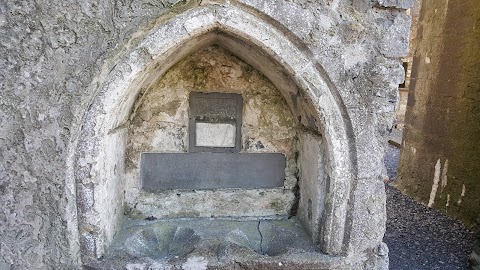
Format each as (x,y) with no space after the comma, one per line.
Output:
(219,244)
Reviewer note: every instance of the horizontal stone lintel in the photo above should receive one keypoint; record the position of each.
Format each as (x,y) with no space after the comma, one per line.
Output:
(166,171)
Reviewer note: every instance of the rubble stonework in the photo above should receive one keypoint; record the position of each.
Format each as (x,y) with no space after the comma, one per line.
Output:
(69,76)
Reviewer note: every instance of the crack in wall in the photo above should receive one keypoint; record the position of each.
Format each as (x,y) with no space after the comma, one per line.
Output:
(261,238)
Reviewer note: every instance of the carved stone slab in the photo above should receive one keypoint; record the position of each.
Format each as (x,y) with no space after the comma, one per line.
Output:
(162,171)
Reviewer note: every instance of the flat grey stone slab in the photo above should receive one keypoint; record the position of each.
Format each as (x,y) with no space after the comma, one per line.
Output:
(163,239)
(163,171)
(215,244)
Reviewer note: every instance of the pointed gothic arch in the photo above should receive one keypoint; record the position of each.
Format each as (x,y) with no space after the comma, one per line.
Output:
(93,174)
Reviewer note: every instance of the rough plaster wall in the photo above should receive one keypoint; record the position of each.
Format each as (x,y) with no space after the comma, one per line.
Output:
(160,124)
(440,160)
(52,55)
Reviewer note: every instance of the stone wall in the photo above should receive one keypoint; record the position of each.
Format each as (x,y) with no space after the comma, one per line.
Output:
(407,64)
(58,57)
(51,53)
(440,160)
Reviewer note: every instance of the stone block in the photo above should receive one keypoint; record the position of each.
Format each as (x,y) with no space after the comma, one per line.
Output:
(401,4)
(163,171)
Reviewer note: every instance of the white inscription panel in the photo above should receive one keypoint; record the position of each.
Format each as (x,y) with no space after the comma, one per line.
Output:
(215,135)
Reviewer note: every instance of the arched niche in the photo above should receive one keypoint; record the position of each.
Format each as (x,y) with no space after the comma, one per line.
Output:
(96,162)
(159,125)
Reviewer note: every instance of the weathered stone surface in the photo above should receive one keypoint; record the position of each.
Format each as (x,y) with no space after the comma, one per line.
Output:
(203,243)
(66,68)
(403,4)
(50,53)
(439,165)
(160,123)
(395,38)
(198,171)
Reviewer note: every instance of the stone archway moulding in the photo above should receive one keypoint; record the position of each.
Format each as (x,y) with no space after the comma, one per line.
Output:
(160,49)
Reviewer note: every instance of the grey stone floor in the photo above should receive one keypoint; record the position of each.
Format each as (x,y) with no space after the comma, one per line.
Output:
(420,237)
(166,239)
(223,244)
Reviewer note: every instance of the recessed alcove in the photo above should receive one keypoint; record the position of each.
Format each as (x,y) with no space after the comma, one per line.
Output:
(159,123)
(143,107)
